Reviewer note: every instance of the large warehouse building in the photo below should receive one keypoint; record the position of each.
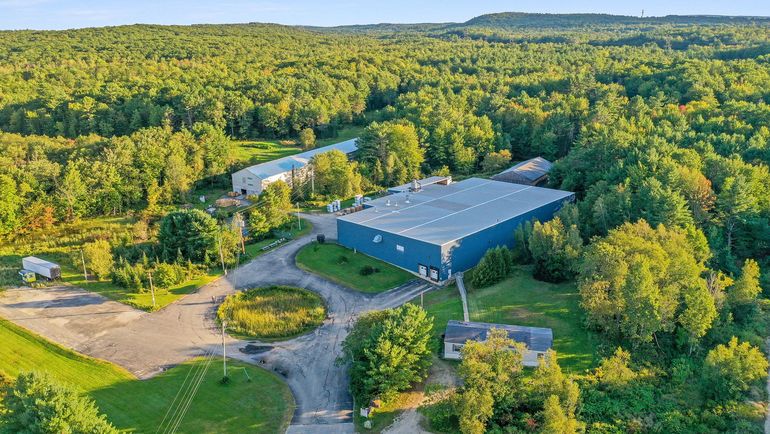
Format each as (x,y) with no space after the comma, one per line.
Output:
(253,179)
(440,228)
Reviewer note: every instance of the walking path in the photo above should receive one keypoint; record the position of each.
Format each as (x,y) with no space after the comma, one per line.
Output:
(146,344)
(463,295)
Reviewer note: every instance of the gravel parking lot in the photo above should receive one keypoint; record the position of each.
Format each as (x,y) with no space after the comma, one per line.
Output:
(145,343)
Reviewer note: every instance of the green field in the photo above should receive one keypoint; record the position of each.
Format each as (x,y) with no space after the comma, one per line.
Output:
(341,265)
(522,300)
(442,304)
(346,133)
(139,406)
(250,152)
(274,312)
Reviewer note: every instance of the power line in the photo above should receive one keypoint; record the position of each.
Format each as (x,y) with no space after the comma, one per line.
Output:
(184,389)
(194,392)
(174,400)
(185,394)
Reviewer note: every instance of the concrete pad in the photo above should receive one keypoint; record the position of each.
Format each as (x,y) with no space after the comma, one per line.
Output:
(67,315)
(337,428)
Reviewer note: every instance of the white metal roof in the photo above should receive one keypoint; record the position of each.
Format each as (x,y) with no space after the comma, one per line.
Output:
(297,161)
(439,214)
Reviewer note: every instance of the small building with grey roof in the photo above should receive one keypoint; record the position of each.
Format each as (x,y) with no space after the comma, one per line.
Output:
(439,228)
(538,340)
(530,172)
(253,179)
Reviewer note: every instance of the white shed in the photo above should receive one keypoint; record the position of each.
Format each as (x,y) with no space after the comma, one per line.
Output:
(253,179)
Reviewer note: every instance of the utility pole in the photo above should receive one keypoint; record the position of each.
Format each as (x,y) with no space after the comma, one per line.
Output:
(312,183)
(240,224)
(299,222)
(421,304)
(221,255)
(152,289)
(83,259)
(224,350)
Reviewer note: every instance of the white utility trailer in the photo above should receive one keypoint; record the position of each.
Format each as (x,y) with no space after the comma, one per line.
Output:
(42,267)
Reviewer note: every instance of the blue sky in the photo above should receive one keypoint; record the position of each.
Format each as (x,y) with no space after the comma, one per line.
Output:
(62,14)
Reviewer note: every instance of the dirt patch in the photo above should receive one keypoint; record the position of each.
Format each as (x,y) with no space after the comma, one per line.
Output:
(410,421)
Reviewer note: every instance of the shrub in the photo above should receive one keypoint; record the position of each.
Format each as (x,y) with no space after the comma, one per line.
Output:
(98,258)
(732,369)
(442,415)
(166,275)
(130,276)
(272,312)
(368,270)
(342,260)
(495,266)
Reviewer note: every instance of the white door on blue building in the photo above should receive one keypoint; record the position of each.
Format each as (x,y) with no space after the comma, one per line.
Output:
(423,270)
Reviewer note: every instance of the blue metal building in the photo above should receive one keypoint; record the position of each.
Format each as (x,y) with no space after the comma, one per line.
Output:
(441,228)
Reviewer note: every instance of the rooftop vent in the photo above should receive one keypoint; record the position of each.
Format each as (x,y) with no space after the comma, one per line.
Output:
(415,185)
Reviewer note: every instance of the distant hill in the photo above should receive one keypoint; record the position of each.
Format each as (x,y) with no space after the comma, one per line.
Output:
(520,19)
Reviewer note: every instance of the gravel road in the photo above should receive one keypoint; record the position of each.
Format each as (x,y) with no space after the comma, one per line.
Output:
(146,344)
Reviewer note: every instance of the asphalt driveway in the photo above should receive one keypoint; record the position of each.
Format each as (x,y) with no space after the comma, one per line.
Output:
(146,344)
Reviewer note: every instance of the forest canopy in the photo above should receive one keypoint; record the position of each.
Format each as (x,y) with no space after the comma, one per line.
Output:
(661,126)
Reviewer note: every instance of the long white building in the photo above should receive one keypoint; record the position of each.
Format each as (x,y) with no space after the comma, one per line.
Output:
(253,179)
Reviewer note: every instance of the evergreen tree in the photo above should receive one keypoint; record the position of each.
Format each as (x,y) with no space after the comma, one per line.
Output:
(36,404)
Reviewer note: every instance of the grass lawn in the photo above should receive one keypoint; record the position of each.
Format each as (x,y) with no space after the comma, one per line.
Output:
(443,304)
(522,300)
(294,231)
(250,152)
(139,406)
(274,312)
(341,265)
(344,134)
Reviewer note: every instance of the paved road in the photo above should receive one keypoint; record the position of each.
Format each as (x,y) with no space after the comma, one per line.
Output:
(146,344)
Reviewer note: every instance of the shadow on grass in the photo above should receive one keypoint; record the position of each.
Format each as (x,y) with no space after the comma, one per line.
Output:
(140,405)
